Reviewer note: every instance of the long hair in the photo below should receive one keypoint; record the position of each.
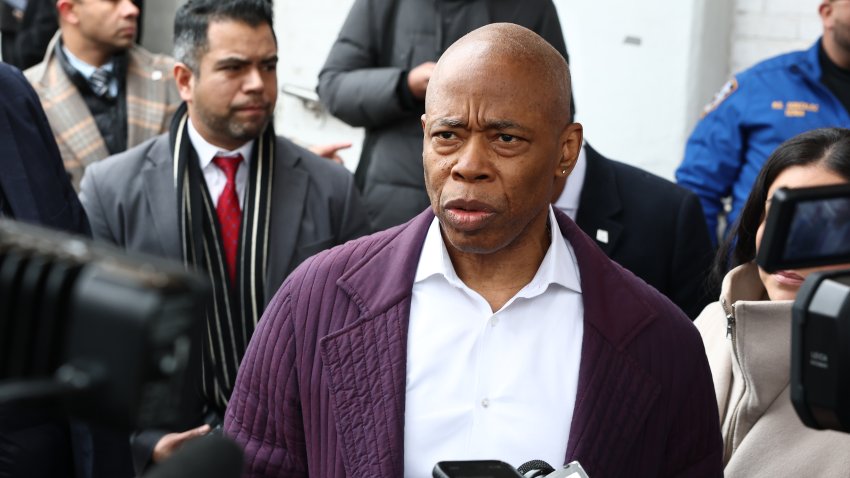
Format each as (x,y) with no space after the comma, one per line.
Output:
(829,147)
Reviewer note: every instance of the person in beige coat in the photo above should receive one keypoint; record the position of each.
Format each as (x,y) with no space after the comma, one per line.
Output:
(747,333)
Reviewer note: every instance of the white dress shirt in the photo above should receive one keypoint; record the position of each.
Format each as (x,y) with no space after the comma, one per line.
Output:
(484,385)
(570,196)
(213,175)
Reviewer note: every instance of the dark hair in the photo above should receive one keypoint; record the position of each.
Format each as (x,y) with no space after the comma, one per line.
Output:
(829,147)
(193,18)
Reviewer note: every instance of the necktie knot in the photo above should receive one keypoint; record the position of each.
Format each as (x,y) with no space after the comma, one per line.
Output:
(228,164)
(99,81)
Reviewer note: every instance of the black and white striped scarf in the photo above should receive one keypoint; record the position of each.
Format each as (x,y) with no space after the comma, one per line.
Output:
(235,308)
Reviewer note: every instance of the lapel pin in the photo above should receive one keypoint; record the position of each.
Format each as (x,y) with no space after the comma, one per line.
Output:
(602,236)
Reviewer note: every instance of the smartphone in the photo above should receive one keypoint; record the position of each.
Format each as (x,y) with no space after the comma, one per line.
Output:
(475,469)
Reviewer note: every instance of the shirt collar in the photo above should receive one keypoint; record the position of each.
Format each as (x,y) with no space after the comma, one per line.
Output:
(559,265)
(207,152)
(84,68)
(568,201)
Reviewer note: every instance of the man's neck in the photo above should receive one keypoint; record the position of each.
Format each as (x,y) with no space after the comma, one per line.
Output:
(835,53)
(499,275)
(85,50)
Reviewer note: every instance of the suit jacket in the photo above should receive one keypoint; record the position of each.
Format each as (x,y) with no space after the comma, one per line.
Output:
(321,390)
(131,201)
(36,190)
(653,228)
(151,96)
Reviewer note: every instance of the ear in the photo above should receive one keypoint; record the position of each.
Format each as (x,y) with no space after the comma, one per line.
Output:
(184,78)
(66,11)
(825,12)
(571,140)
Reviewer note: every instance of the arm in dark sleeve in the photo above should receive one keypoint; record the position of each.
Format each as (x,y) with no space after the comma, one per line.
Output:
(35,184)
(692,255)
(353,85)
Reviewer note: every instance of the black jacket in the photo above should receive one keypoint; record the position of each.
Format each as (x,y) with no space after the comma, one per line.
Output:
(654,228)
(364,83)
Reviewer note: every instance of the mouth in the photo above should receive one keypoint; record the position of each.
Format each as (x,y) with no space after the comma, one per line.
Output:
(788,278)
(468,215)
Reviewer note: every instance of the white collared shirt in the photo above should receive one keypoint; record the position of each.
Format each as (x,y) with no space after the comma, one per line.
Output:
(571,195)
(484,385)
(88,70)
(213,175)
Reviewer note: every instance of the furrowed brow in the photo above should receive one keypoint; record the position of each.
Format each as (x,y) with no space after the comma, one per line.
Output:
(451,123)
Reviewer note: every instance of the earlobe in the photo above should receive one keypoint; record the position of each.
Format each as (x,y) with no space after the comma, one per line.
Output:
(183,79)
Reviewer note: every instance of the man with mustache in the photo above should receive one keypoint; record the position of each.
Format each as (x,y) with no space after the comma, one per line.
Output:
(102,93)
(489,326)
(221,192)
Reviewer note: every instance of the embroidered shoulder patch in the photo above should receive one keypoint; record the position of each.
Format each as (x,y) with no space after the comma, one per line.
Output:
(730,87)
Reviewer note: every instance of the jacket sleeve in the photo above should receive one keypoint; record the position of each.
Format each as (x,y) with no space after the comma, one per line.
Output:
(694,445)
(91,196)
(353,84)
(39,25)
(714,155)
(691,261)
(264,413)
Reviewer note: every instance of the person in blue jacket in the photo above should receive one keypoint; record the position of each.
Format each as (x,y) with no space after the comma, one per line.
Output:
(762,107)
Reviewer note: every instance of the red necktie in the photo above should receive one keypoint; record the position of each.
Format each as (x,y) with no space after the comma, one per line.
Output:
(229,213)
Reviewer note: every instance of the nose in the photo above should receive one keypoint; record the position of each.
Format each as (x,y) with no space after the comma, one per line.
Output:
(473,164)
(129,9)
(253,80)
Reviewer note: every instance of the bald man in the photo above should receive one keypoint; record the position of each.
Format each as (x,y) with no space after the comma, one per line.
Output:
(489,326)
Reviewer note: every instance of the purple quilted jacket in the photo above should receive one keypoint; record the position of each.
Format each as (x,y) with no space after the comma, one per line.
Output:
(320,392)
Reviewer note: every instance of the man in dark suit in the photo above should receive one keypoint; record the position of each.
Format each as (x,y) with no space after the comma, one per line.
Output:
(488,326)
(34,188)
(646,224)
(222,192)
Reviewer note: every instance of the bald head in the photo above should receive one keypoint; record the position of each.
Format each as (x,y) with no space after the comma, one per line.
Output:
(490,48)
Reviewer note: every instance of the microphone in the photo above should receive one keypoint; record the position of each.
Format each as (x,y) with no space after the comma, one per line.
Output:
(541,469)
(535,469)
(212,456)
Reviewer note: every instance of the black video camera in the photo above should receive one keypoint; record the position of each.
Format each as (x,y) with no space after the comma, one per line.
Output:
(103,335)
(810,227)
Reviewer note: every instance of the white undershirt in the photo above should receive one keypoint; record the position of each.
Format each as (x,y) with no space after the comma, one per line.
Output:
(571,195)
(484,385)
(213,175)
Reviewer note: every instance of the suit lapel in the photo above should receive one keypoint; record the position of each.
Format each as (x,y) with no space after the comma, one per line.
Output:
(366,362)
(615,395)
(600,204)
(161,197)
(69,116)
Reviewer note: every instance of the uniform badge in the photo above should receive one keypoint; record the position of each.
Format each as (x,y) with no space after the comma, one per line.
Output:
(730,87)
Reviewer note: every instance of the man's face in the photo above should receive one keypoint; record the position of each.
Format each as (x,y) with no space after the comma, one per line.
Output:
(492,151)
(111,25)
(232,96)
(836,18)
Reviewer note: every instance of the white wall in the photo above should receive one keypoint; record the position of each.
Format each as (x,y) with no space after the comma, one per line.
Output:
(642,70)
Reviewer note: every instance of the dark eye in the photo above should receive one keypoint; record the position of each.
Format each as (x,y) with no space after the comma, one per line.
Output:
(445,135)
(507,138)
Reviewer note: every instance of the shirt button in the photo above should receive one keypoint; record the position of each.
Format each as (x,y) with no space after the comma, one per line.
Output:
(494,321)
(485,403)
